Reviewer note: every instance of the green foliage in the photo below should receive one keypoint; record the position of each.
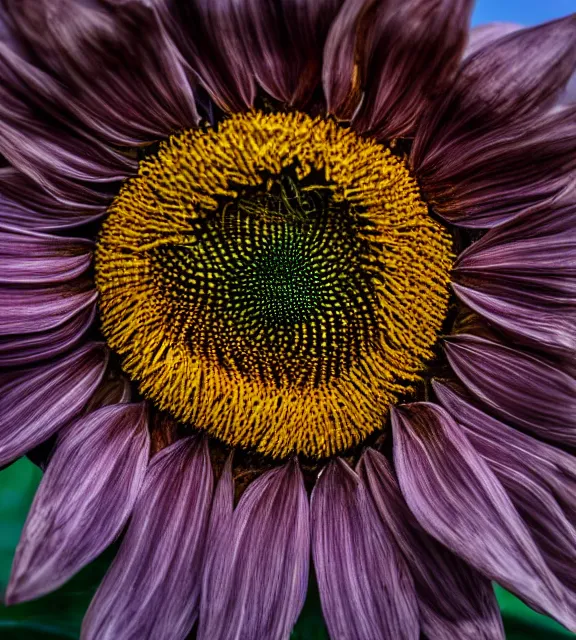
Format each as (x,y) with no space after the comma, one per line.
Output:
(58,616)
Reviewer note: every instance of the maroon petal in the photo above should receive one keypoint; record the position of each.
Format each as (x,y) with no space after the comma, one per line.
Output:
(84,499)
(256,574)
(457,499)
(484,152)
(18,350)
(34,310)
(365,586)
(208,32)
(102,72)
(284,43)
(372,47)
(454,600)
(487,34)
(36,258)
(540,480)
(153,586)
(33,406)
(483,180)
(521,388)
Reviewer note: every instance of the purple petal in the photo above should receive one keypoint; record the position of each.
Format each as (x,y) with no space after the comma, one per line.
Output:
(532,317)
(36,258)
(209,35)
(47,156)
(84,499)
(485,151)
(521,276)
(521,388)
(34,310)
(153,586)
(127,88)
(454,600)
(284,48)
(487,34)
(375,47)
(457,499)
(26,205)
(18,350)
(256,574)
(569,95)
(540,480)
(34,405)
(365,586)
(221,511)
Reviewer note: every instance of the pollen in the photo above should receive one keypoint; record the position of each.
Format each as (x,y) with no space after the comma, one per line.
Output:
(276,281)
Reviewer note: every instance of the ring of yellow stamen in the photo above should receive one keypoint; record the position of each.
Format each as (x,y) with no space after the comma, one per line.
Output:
(272,311)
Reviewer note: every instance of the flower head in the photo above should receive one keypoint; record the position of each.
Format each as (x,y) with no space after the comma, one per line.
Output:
(289,276)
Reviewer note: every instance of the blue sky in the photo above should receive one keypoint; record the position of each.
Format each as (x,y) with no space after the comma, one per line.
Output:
(521,11)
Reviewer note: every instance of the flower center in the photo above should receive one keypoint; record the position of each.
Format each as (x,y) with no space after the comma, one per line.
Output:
(277,281)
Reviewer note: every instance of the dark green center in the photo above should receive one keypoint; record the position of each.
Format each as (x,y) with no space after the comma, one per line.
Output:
(277,277)
(279,285)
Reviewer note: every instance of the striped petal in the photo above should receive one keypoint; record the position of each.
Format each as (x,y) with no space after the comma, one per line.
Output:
(256,574)
(540,480)
(523,389)
(84,499)
(365,586)
(457,499)
(454,600)
(36,404)
(153,586)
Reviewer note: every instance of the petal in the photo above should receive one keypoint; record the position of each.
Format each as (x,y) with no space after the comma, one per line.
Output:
(457,499)
(34,310)
(487,34)
(540,480)
(373,44)
(102,72)
(221,511)
(518,75)
(153,586)
(485,140)
(34,405)
(540,239)
(84,499)
(256,575)
(18,350)
(365,586)
(454,600)
(284,44)
(482,180)
(36,258)
(521,276)
(522,389)
(569,95)
(209,36)
(531,317)
(26,205)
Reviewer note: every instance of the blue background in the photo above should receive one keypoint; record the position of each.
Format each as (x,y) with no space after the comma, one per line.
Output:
(526,12)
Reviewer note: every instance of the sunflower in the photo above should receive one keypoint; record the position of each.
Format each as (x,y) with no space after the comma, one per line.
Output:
(285,281)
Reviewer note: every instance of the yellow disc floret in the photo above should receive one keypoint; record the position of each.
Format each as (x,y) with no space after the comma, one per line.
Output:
(277,281)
